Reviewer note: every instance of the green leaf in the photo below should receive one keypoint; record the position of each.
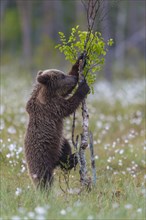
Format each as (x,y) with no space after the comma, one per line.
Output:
(110,42)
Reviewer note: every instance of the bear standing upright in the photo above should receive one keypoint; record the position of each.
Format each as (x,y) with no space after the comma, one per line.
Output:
(45,145)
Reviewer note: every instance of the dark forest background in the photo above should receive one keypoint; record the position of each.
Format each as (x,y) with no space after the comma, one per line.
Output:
(29,33)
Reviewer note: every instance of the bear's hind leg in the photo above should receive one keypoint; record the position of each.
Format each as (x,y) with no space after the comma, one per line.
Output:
(44,180)
(67,160)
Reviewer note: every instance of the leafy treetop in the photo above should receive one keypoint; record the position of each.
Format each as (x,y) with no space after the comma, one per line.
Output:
(90,42)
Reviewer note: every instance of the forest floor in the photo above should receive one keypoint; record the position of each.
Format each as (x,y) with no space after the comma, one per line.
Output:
(117,121)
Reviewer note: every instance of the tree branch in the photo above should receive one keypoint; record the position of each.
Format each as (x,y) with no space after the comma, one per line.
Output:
(74,142)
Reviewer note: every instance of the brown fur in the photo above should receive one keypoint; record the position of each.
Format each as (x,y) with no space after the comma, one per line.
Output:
(45,146)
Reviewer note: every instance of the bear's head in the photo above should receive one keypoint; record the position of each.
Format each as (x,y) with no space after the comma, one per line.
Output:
(56,82)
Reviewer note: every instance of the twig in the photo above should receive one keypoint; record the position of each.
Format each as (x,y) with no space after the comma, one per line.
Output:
(92,158)
(66,180)
(75,143)
(60,184)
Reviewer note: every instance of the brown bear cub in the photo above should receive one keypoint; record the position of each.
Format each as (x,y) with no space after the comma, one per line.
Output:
(45,145)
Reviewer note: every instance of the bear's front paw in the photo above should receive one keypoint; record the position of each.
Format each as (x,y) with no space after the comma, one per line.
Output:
(83,88)
(73,160)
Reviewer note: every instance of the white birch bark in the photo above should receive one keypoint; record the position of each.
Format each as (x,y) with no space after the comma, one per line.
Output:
(84,144)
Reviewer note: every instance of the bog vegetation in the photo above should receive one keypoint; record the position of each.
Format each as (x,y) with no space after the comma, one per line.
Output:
(117,112)
(117,123)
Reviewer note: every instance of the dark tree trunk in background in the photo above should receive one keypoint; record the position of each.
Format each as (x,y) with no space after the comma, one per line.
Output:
(52,18)
(133,21)
(120,33)
(25,9)
(48,17)
(80,15)
(3,7)
(59,23)
(105,30)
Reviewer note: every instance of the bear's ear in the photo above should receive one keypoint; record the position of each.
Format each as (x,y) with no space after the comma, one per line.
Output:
(39,72)
(42,79)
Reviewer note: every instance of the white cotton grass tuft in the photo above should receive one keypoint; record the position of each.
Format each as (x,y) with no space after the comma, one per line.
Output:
(128,206)
(31,215)
(18,191)
(115,205)
(90,217)
(15,218)
(139,210)
(11,130)
(40,210)
(96,157)
(63,212)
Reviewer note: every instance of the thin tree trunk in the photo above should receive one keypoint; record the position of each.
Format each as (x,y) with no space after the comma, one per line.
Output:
(84,144)
(25,9)
(48,18)
(51,26)
(80,15)
(120,34)
(105,29)
(3,6)
(84,179)
(59,23)
(133,22)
